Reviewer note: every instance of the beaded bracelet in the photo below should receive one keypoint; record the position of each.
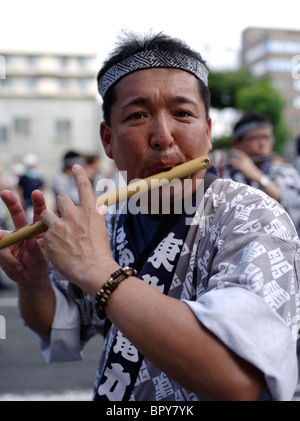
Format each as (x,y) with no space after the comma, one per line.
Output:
(109,286)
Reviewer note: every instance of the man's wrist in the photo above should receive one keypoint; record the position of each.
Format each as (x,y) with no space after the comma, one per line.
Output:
(32,284)
(109,286)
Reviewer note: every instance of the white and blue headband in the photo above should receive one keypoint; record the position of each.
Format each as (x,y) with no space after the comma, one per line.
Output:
(246,127)
(152,59)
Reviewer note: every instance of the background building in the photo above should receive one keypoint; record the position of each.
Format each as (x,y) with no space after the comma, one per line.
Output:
(276,52)
(48,105)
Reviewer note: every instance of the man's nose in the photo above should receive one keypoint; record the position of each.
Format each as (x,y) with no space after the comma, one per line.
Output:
(161,133)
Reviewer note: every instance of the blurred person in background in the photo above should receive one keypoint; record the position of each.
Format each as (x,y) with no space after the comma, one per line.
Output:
(28,182)
(296,161)
(93,168)
(252,161)
(3,284)
(3,186)
(64,181)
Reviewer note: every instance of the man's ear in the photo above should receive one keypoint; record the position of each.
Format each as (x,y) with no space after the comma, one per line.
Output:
(105,134)
(208,133)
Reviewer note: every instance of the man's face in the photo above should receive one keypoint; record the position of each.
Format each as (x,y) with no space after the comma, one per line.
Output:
(257,142)
(157,122)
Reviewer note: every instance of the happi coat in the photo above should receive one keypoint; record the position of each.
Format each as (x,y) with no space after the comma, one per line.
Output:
(235,263)
(286,177)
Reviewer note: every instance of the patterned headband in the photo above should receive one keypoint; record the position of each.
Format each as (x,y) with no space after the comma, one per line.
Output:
(240,131)
(149,59)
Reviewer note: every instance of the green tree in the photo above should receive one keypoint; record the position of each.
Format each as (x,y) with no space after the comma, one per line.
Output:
(241,91)
(224,86)
(263,98)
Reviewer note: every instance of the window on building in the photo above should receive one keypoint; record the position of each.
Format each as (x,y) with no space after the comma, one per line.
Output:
(32,61)
(296,85)
(63,61)
(22,126)
(83,62)
(3,134)
(31,83)
(5,84)
(279,65)
(256,52)
(62,129)
(296,102)
(283,46)
(83,83)
(64,83)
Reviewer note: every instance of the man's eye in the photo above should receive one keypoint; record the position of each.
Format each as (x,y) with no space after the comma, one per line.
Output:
(183,114)
(136,116)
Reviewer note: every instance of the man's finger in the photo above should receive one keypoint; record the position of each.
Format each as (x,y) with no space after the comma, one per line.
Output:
(39,204)
(15,208)
(48,217)
(63,203)
(85,190)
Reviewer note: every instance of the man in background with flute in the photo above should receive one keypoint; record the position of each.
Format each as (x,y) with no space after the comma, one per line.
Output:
(198,310)
(253,162)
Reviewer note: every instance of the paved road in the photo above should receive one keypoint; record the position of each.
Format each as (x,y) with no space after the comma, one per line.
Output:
(25,375)
(23,370)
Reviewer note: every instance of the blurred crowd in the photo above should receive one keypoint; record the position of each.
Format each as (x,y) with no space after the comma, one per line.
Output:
(28,176)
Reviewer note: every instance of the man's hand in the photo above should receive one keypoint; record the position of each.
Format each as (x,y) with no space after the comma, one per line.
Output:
(240,161)
(25,261)
(76,241)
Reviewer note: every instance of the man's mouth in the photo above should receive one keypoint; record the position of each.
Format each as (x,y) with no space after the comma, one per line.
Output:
(158,170)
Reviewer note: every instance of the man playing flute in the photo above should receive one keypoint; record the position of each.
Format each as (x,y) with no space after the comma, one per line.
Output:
(192,307)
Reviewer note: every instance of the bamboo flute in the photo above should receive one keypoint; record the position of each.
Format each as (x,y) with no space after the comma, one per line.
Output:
(114,197)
